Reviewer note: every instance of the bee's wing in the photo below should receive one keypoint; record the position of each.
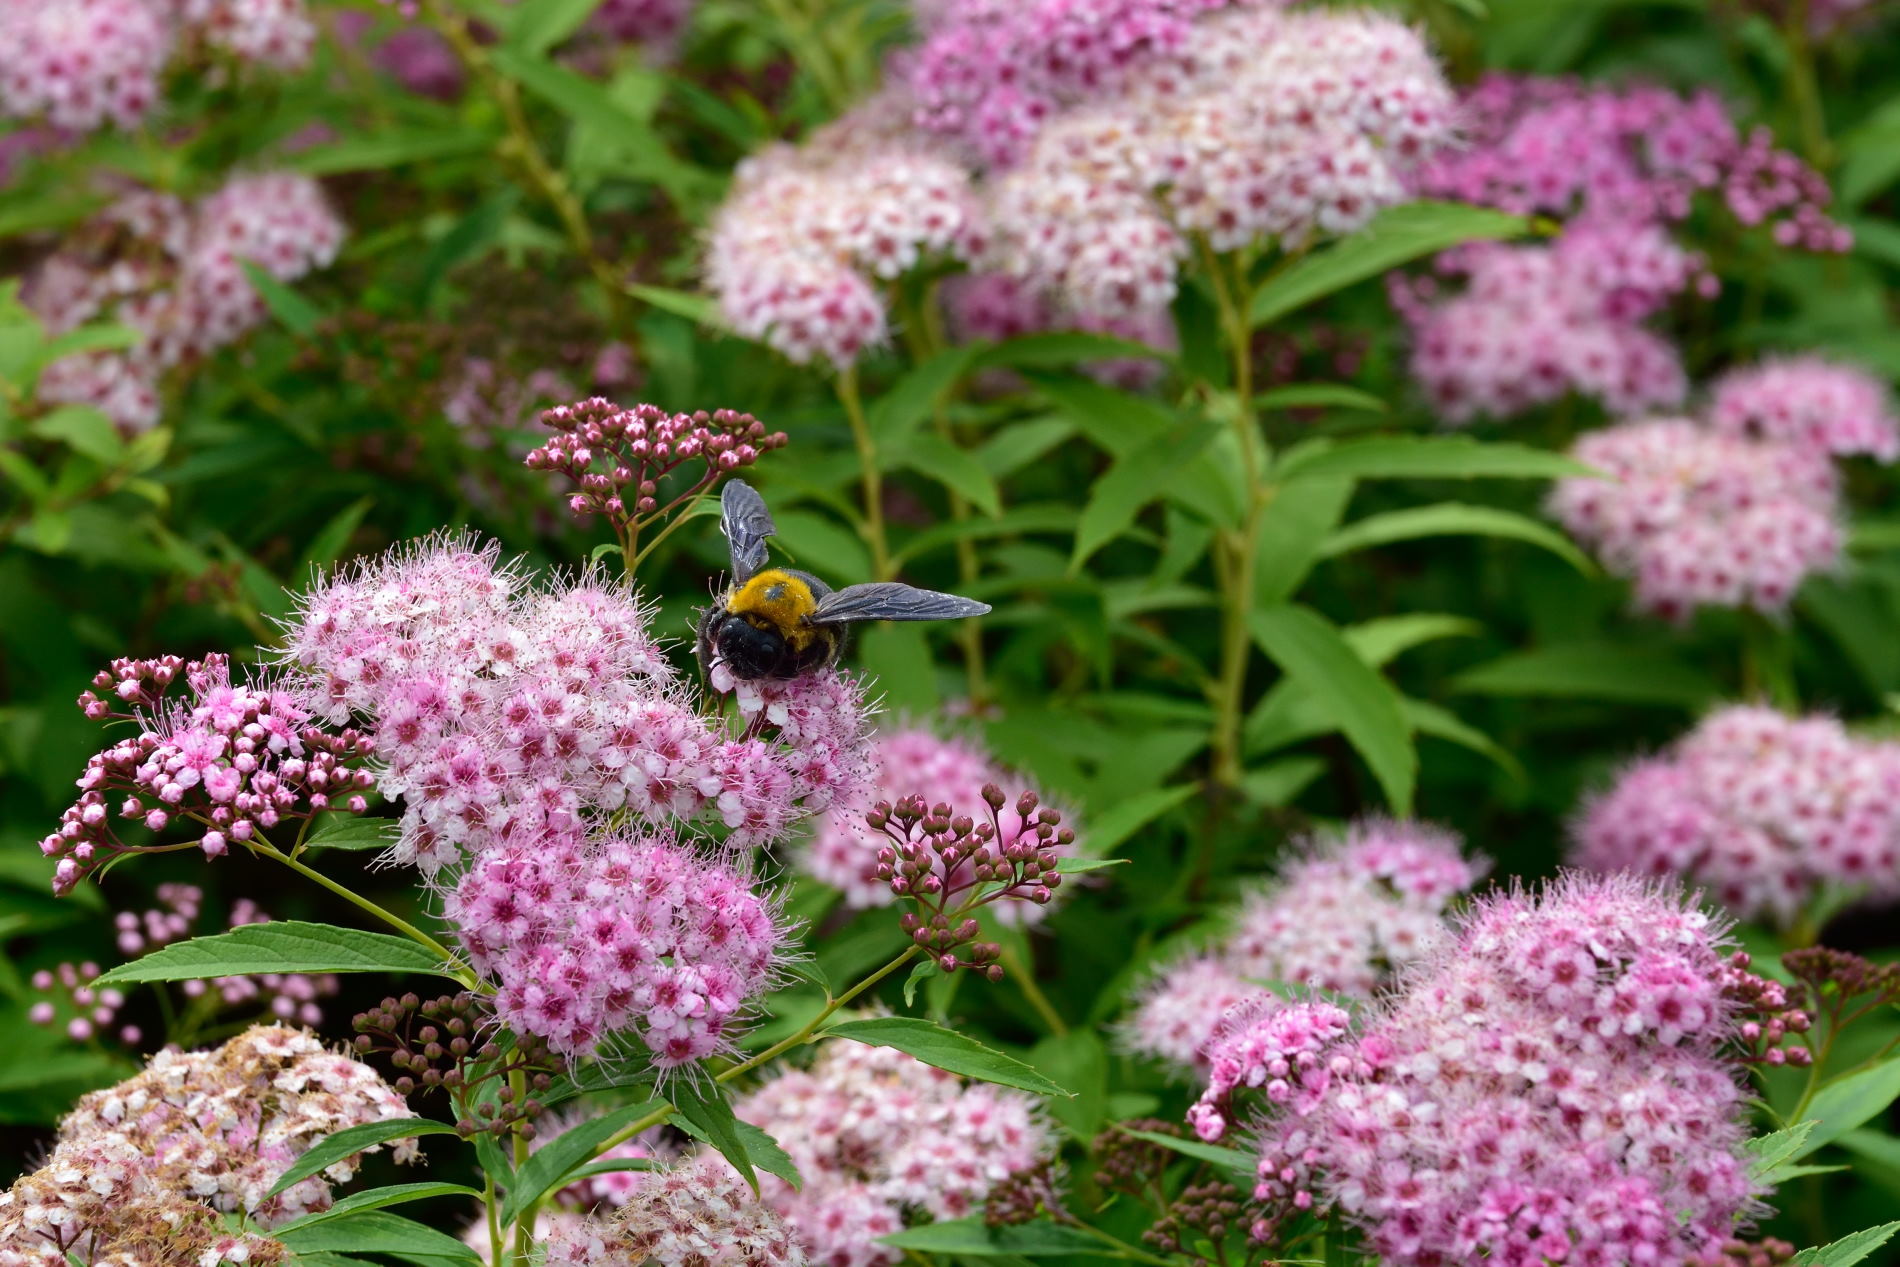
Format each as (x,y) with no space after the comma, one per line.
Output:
(746,523)
(889,600)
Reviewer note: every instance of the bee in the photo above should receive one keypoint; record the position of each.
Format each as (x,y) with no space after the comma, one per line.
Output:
(781,622)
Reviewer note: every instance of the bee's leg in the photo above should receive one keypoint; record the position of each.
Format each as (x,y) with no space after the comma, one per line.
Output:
(703,641)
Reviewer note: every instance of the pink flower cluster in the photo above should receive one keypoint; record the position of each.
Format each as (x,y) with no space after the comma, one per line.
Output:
(1549,1087)
(1535,323)
(697,1214)
(876,1133)
(1808,402)
(1283,1052)
(1762,809)
(174,274)
(80,64)
(1343,916)
(844,850)
(643,936)
(798,251)
(505,713)
(233,760)
(1692,515)
(288,997)
(196,1132)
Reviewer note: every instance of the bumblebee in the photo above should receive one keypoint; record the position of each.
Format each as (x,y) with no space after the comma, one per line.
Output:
(780,622)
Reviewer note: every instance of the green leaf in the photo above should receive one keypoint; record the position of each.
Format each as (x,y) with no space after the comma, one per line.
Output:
(760,1148)
(1398,235)
(1294,527)
(1280,782)
(1135,479)
(352,1140)
(1320,395)
(96,338)
(1848,1102)
(699,309)
(84,430)
(377,1199)
(972,1238)
(1593,670)
(376,151)
(538,27)
(895,417)
(279,946)
(1425,457)
(1231,1160)
(467,239)
(1771,1151)
(379,1232)
(1848,1250)
(925,969)
(808,970)
(960,472)
(334,537)
(822,545)
(352,831)
(1363,704)
(1441,723)
(946,1049)
(295,313)
(1383,639)
(1115,421)
(1123,819)
(548,1166)
(574,95)
(1447,519)
(1082,866)
(707,1113)
(1064,347)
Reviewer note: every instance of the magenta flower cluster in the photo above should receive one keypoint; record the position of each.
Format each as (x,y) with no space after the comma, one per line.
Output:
(1283,1052)
(1549,1086)
(634,935)
(80,64)
(1624,166)
(1810,403)
(174,274)
(845,852)
(1763,810)
(235,761)
(877,1134)
(1342,916)
(1692,515)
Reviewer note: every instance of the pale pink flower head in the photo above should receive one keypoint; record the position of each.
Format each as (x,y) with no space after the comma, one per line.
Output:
(275,34)
(1763,810)
(699,1213)
(1179,1008)
(638,936)
(1695,516)
(1282,1050)
(1551,1084)
(1808,402)
(79,64)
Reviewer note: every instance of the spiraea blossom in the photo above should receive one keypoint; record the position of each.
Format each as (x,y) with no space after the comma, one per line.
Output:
(808,236)
(1549,1086)
(905,761)
(697,1214)
(505,712)
(876,1135)
(195,1133)
(1500,328)
(275,34)
(230,761)
(1761,809)
(80,64)
(1283,1052)
(1811,403)
(624,935)
(1692,515)
(174,274)
(1347,913)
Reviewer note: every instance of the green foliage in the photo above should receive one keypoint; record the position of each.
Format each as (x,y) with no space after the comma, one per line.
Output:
(279,946)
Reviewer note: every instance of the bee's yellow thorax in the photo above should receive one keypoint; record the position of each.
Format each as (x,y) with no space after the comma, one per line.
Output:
(777,599)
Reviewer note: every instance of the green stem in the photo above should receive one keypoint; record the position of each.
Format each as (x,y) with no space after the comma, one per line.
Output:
(871,478)
(1019,972)
(777,1049)
(1804,88)
(679,517)
(494,1219)
(524,1222)
(1125,1249)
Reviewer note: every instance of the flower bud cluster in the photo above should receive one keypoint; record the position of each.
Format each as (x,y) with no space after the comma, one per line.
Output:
(1832,979)
(1124,1162)
(1206,1211)
(449,1043)
(1025,1195)
(1765,1019)
(1767,1252)
(92,1009)
(617,456)
(951,863)
(233,760)
(135,684)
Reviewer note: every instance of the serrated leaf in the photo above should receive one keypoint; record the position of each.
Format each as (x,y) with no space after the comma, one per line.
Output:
(1770,1151)
(292,310)
(279,946)
(808,970)
(352,1140)
(1453,519)
(1082,866)
(1848,1102)
(707,1114)
(379,1232)
(763,1151)
(1364,706)
(1231,1160)
(1135,480)
(924,969)
(353,832)
(931,455)
(1398,235)
(945,1049)
(1848,1250)
(1425,457)
(972,1238)
(549,1165)
(377,1199)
